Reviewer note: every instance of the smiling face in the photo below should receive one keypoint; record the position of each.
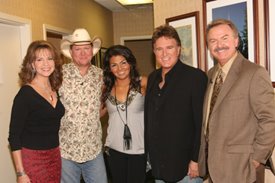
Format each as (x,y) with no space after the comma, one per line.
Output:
(222,43)
(43,64)
(82,54)
(120,67)
(167,52)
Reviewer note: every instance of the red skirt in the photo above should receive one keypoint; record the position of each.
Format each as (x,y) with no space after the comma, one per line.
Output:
(42,165)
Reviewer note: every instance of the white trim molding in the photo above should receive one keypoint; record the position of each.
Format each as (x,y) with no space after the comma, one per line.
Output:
(127,38)
(24,26)
(53,29)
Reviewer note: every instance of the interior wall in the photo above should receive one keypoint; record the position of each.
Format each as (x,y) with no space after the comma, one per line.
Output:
(138,22)
(65,14)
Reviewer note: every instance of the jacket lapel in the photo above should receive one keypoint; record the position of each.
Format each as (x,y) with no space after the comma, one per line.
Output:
(207,92)
(231,77)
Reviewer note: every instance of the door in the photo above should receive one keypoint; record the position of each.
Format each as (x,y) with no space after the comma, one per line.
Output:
(10,59)
(142,49)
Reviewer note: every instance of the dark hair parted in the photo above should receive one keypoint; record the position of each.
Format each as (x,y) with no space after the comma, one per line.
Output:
(27,72)
(109,78)
(218,22)
(165,31)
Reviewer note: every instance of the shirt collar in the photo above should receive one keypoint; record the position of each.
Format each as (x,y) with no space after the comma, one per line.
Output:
(170,73)
(226,67)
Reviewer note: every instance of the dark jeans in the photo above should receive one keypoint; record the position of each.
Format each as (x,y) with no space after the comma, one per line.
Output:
(126,168)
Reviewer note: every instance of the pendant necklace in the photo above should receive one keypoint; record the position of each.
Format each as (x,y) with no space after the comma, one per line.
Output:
(48,91)
(127,137)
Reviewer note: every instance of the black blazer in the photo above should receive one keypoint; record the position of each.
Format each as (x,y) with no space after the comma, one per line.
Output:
(173,138)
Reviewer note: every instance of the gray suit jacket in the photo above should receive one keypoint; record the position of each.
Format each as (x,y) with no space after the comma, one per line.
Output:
(242,124)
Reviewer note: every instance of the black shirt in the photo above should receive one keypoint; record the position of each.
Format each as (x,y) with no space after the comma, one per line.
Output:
(34,121)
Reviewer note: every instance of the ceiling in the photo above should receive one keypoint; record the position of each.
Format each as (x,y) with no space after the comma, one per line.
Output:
(114,6)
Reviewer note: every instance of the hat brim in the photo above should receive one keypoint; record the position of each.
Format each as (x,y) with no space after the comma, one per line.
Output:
(65,46)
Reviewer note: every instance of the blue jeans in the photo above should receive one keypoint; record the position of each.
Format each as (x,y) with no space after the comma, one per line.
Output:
(92,171)
(186,179)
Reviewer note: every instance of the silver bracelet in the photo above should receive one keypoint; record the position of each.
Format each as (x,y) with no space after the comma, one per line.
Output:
(20,174)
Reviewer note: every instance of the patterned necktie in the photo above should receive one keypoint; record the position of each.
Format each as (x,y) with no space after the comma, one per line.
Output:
(216,90)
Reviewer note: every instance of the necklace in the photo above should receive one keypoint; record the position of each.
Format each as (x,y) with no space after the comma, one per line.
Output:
(127,137)
(47,90)
(51,97)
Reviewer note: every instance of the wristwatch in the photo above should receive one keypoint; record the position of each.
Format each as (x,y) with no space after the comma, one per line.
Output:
(21,173)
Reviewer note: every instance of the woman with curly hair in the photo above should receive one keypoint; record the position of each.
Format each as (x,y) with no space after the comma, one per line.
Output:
(35,117)
(123,97)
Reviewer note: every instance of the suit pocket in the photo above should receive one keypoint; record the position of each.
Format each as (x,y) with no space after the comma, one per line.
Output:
(236,97)
(240,149)
(239,161)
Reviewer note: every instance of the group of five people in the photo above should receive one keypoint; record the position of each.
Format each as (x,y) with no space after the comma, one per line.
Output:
(180,123)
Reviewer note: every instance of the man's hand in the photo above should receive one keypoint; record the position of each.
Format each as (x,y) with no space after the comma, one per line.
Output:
(193,169)
(256,163)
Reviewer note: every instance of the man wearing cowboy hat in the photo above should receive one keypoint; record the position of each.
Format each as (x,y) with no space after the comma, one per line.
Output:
(80,131)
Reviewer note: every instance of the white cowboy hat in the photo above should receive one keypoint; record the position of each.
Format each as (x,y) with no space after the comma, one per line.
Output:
(79,37)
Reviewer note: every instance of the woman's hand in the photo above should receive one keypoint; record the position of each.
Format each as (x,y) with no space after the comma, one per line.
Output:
(23,179)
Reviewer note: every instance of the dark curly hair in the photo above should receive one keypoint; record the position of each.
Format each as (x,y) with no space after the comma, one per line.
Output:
(26,73)
(109,78)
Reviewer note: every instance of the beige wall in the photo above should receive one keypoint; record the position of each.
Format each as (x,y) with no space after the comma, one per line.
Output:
(65,14)
(132,23)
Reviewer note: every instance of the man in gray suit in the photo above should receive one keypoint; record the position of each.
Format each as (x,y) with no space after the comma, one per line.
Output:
(238,133)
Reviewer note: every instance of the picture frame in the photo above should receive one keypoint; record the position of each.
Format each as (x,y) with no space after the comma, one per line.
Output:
(187,26)
(102,54)
(244,14)
(97,60)
(269,17)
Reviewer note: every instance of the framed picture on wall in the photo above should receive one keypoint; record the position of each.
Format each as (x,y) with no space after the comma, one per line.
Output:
(270,38)
(102,54)
(244,14)
(97,60)
(187,26)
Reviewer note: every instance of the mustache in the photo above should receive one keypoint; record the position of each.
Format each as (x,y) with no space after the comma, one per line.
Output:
(221,49)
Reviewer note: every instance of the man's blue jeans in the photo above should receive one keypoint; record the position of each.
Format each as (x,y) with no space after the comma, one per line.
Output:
(93,171)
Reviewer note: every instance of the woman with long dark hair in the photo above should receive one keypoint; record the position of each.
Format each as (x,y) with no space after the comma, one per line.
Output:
(123,97)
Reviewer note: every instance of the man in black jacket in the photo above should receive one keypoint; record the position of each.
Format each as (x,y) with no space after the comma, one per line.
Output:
(173,111)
